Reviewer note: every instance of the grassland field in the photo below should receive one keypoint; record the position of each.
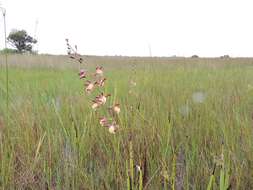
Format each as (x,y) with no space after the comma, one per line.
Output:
(187,123)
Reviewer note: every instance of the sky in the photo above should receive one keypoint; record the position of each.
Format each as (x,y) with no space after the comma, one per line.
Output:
(208,28)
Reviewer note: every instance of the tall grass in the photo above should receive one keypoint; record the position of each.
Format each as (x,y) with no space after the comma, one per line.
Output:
(166,140)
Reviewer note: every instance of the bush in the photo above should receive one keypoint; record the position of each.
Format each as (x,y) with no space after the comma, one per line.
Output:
(8,51)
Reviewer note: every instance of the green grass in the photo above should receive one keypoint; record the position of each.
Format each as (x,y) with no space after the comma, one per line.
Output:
(54,139)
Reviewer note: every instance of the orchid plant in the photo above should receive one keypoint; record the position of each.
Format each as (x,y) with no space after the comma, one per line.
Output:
(94,81)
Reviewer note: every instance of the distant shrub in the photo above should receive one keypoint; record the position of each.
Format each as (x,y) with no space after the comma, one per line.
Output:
(225,57)
(8,51)
(195,56)
(14,51)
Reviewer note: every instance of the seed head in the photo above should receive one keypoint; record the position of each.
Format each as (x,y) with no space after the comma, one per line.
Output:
(80,60)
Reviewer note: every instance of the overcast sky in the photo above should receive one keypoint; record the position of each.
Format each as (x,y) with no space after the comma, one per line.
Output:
(129,27)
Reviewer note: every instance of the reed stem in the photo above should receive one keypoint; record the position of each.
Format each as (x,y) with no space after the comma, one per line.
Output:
(6,67)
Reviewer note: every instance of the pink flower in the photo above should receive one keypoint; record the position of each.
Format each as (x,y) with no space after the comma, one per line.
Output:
(89,86)
(101,82)
(113,128)
(99,71)
(116,108)
(133,83)
(103,121)
(95,105)
(101,99)
(82,74)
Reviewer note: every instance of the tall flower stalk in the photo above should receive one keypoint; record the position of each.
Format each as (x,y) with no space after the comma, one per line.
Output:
(95,82)
(3,10)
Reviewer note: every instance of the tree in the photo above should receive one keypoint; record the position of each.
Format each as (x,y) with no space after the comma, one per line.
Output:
(20,40)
